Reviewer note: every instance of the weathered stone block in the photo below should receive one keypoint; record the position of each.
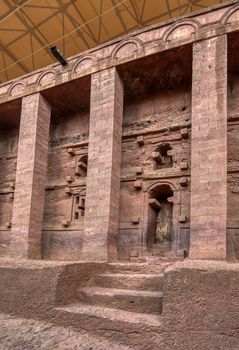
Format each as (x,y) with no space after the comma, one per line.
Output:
(183,165)
(183,181)
(71,151)
(66,223)
(184,133)
(154,203)
(182,218)
(170,153)
(12,185)
(138,170)
(135,220)
(8,224)
(157,157)
(82,165)
(215,286)
(69,179)
(138,185)
(68,190)
(140,140)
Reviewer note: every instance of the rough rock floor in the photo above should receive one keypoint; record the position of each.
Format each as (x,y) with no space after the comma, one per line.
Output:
(23,334)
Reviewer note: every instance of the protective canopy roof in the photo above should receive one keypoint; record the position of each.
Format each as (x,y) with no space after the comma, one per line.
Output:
(29,27)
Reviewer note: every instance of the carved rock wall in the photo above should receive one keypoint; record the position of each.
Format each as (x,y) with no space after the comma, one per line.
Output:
(8,161)
(154,120)
(233,169)
(68,144)
(159,119)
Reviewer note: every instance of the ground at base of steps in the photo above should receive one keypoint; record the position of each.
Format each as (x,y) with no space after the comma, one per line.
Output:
(24,334)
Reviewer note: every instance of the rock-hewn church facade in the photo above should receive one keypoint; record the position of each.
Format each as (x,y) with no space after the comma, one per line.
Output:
(128,153)
(129,150)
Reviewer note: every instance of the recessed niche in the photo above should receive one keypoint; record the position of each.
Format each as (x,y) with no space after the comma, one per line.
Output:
(163,156)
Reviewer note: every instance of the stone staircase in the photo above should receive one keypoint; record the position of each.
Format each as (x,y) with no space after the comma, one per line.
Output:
(124,304)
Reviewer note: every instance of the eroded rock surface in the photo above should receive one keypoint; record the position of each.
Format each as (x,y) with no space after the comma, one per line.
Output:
(23,334)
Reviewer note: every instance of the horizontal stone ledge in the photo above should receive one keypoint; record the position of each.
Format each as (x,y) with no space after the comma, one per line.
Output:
(80,229)
(75,184)
(70,228)
(150,176)
(232,117)
(126,135)
(6,191)
(69,145)
(202,265)
(233,226)
(232,169)
(125,178)
(129,225)
(174,127)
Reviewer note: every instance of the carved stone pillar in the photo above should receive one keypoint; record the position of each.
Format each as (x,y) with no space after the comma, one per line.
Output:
(209,150)
(104,165)
(30,178)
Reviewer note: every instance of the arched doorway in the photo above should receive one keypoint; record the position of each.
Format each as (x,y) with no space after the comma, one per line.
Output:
(160,230)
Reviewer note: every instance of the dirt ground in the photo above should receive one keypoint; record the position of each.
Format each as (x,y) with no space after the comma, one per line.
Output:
(23,334)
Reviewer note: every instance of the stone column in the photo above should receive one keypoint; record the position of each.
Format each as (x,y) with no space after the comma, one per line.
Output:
(30,178)
(209,150)
(104,165)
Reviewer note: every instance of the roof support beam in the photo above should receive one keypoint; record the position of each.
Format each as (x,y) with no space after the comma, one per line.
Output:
(31,28)
(7,51)
(117,12)
(89,31)
(72,20)
(102,23)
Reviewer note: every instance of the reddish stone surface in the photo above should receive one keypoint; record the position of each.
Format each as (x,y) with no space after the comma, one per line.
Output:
(121,302)
(142,167)
(209,150)
(206,306)
(155,66)
(24,334)
(104,160)
(30,178)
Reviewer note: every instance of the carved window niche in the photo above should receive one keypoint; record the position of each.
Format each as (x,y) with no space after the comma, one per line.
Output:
(161,215)
(162,219)
(163,156)
(78,207)
(81,166)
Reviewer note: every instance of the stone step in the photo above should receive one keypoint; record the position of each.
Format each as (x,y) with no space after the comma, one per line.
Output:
(167,258)
(130,328)
(149,282)
(160,248)
(152,266)
(131,300)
